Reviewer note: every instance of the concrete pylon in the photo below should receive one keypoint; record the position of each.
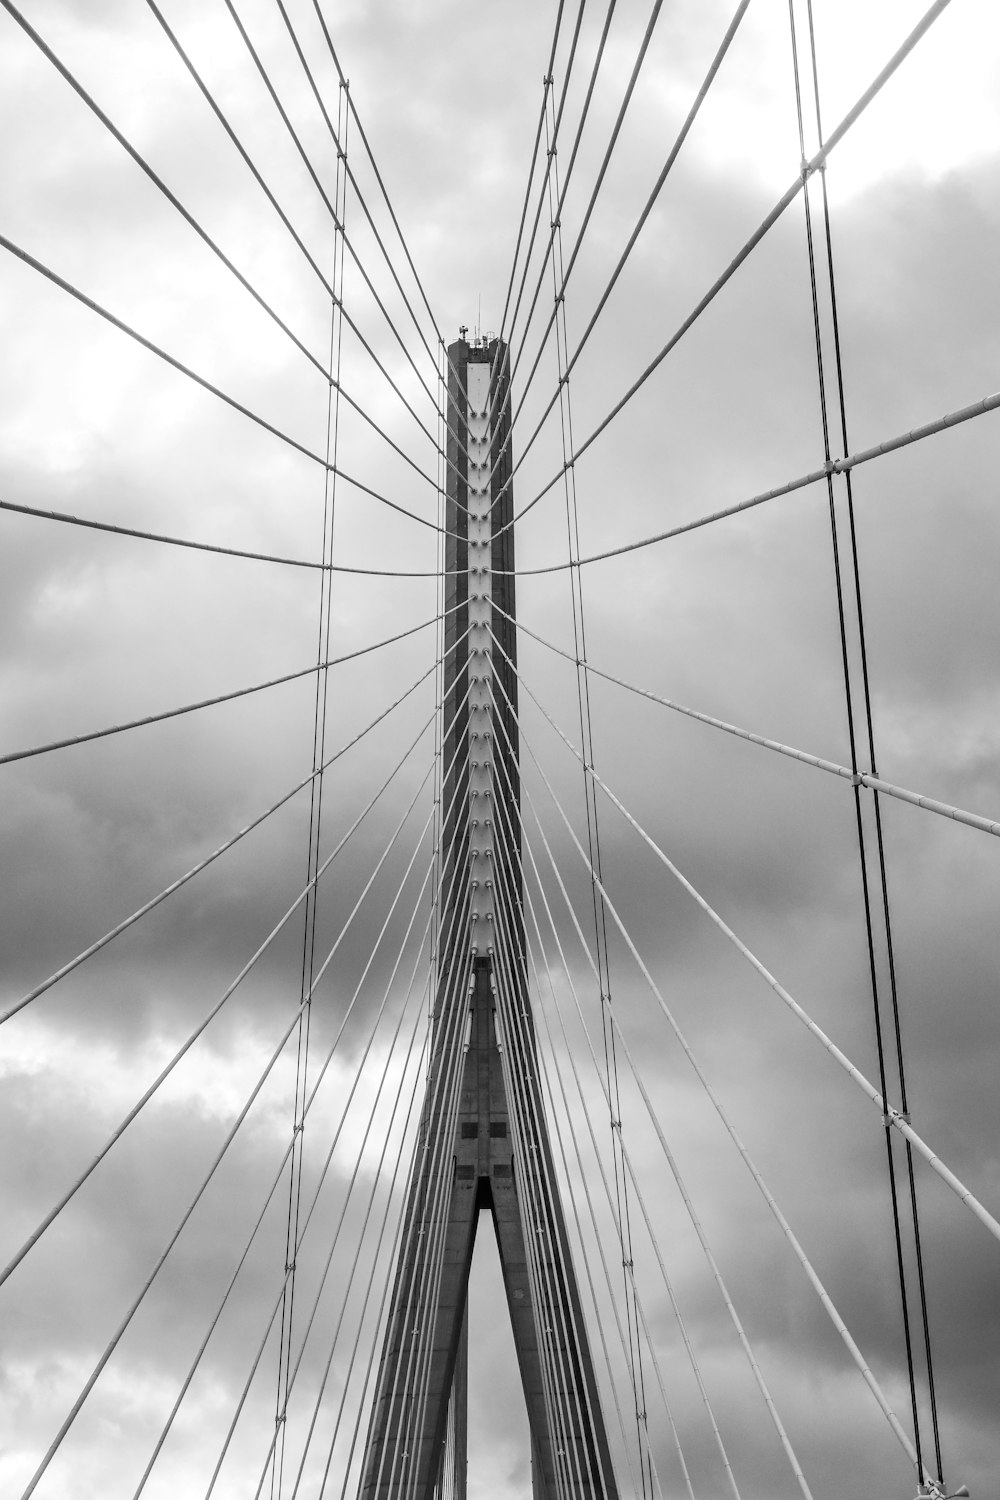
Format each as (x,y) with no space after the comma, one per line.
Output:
(483,1142)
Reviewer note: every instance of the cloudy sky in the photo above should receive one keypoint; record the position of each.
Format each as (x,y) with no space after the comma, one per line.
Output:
(738,620)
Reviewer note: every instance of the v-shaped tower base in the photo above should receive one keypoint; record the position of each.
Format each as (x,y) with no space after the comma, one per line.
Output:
(483,1142)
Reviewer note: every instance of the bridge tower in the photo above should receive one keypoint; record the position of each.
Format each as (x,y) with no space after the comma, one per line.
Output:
(482,1142)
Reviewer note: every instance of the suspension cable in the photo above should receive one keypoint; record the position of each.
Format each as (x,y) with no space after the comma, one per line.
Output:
(590,799)
(407,1216)
(390,1280)
(595,192)
(827,1302)
(688,1204)
(342,157)
(894,1116)
(202,1026)
(815,476)
(626,1258)
(178,541)
(281,1417)
(862,778)
(584,112)
(546,85)
(201,380)
(276,1180)
(453,1016)
(374,166)
(876,998)
(379,1237)
(863,651)
(198,228)
(814,164)
(518,1026)
(525,1101)
(598,1240)
(432,866)
(202,864)
(241,149)
(540,1224)
(307,163)
(188,708)
(550,158)
(320,715)
(425,1208)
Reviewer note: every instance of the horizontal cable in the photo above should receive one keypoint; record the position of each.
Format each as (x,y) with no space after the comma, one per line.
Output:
(859,778)
(835,466)
(890,1116)
(183,369)
(190,708)
(202,233)
(179,541)
(203,864)
(814,164)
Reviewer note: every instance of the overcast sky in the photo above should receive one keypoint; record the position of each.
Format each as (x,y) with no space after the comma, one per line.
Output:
(738,620)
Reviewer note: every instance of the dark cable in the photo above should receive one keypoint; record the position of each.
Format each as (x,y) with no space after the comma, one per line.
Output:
(848,695)
(870,731)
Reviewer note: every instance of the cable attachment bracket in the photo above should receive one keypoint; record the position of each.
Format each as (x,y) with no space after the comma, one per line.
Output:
(894,1117)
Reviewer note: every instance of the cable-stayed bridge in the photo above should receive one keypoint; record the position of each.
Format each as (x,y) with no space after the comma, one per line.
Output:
(534,772)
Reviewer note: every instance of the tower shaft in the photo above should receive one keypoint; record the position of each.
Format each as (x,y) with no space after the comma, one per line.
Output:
(483,1141)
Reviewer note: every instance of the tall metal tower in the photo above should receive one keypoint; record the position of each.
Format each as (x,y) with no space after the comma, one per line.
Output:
(483,1142)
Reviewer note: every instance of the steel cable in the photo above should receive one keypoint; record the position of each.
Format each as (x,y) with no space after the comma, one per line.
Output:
(188,708)
(626,1259)
(201,380)
(813,165)
(202,864)
(893,1116)
(862,778)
